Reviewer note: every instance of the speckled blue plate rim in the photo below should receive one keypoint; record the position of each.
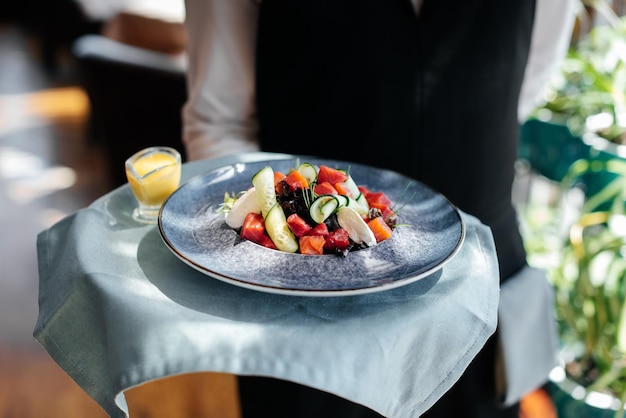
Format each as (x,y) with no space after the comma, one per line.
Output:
(430,234)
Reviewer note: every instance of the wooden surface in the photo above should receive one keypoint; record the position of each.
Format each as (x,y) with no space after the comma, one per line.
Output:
(33,386)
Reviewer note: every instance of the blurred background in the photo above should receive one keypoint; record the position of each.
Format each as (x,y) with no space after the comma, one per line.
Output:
(48,169)
(82,83)
(78,83)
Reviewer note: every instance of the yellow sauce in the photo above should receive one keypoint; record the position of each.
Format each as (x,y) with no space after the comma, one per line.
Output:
(159,177)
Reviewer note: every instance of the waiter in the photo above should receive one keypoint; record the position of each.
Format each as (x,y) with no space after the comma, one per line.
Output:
(428,90)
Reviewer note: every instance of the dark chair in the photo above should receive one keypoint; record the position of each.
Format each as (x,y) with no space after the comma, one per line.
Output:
(136,98)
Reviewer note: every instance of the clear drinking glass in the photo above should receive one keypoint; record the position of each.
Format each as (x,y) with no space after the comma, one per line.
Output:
(153,174)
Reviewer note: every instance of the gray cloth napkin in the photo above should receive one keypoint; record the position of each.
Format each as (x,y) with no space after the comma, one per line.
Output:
(118,309)
(528,331)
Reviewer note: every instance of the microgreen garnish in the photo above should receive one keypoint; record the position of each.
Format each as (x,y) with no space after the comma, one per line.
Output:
(229,201)
(402,202)
(309,195)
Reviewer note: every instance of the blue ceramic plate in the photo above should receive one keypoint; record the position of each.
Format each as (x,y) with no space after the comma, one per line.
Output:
(431,234)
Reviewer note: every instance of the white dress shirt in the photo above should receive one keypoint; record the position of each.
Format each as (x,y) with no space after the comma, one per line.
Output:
(220,116)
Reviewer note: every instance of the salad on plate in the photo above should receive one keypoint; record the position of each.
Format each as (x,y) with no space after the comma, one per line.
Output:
(310,210)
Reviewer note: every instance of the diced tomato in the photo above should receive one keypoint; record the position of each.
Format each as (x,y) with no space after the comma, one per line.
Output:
(337,239)
(319,229)
(312,244)
(253,229)
(298,226)
(378,200)
(377,205)
(296,180)
(278,185)
(324,188)
(388,214)
(364,190)
(342,190)
(330,175)
(266,241)
(278,176)
(379,227)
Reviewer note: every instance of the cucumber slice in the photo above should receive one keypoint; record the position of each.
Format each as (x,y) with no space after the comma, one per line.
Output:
(343,200)
(351,186)
(360,204)
(308,171)
(246,203)
(358,201)
(323,207)
(263,182)
(356,227)
(278,230)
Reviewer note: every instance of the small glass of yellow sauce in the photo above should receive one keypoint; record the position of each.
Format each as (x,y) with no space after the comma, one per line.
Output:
(153,174)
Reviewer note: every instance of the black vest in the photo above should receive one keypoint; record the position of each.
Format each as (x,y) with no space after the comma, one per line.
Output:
(433,96)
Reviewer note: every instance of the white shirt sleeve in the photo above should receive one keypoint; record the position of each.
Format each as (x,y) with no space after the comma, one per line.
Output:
(552,31)
(219,116)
